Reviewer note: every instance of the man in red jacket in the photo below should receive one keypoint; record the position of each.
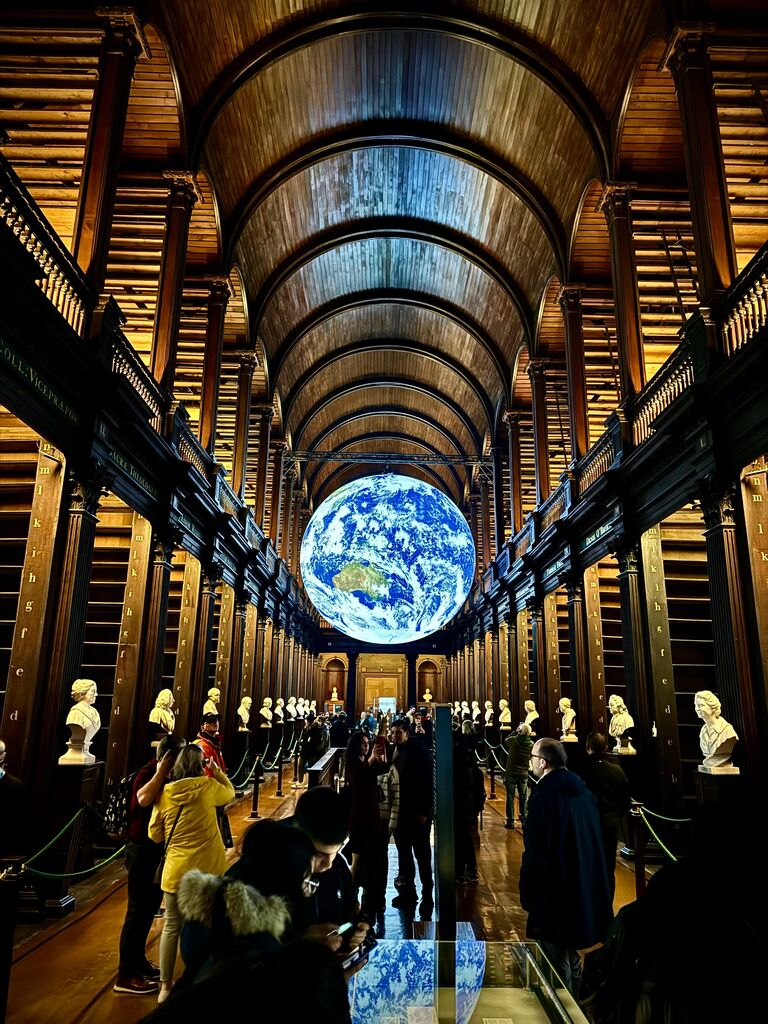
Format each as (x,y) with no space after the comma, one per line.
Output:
(209,741)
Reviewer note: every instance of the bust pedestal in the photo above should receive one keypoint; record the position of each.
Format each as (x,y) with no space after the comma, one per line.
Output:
(74,785)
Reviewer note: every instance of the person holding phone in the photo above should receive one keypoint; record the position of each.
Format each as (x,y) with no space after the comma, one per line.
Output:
(368,835)
(184,820)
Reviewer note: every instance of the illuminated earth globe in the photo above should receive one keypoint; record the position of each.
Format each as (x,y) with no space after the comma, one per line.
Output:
(387,559)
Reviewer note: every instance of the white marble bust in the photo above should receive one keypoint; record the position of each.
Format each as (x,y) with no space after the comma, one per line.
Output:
(266,713)
(531,714)
(334,696)
(717,737)
(244,714)
(300,708)
(211,706)
(279,711)
(465,712)
(312,707)
(568,725)
(488,717)
(505,715)
(426,696)
(84,722)
(456,709)
(620,722)
(475,711)
(290,709)
(161,714)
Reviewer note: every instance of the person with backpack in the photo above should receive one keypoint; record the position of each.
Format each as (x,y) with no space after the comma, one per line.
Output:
(136,975)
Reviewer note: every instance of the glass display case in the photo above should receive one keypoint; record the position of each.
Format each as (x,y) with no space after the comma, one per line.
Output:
(462,982)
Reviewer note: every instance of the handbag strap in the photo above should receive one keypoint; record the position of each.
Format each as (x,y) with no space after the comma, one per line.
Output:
(173,829)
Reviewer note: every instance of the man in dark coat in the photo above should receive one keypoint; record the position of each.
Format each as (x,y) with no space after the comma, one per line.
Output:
(611,789)
(413,765)
(563,880)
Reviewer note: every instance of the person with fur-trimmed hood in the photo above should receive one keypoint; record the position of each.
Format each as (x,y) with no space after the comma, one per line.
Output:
(258,903)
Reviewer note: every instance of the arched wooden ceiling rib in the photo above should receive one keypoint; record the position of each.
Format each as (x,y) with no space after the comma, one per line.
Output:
(399,265)
(391,227)
(399,429)
(385,346)
(397,365)
(414,421)
(649,136)
(409,134)
(204,238)
(154,124)
(394,443)
(589,254)
(395,384)
(344,304)
(506,39)
(353,471)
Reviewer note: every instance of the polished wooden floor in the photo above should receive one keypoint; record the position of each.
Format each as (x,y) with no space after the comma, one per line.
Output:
(65,972)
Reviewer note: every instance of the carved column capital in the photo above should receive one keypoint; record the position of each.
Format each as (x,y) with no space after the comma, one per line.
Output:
(125,20)
(183,187)
(688,42)
(537,369)
(247,360)
(615,198)
(85,494)
(628,557)
(569,296)
(719,507)
(512,418)
(218,288)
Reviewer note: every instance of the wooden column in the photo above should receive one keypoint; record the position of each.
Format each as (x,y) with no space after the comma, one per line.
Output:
(617,207)
(68,634)
(223,663)
(512,420)
(460,685)
(495,667)
(185,655)
(263,653)
(234,684)
(595,684)
(513,677)
(264,414)
(182,195)
(26,682)
(249,662)
(125,700)
(153,640)
(485,523)
(570,303)
(293,557)
(274,661)
(688,59)
(279,448)
(536,371)
(203,644)
(218,297)
(577,653)
(499,519)
(123,42)
(472,516)
(536,612)
(658,703)
(733,668)
(247,363)
(552,661)
(482,670)
(286,513)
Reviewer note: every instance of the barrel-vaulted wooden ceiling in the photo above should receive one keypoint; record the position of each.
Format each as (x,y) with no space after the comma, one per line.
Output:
(397,185)
(395,191)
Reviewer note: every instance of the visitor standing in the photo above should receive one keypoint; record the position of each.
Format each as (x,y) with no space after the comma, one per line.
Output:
(519,746)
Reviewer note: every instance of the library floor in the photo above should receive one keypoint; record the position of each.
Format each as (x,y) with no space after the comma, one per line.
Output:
(72,963)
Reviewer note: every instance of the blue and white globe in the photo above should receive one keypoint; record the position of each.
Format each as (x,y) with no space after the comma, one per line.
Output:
(387,559)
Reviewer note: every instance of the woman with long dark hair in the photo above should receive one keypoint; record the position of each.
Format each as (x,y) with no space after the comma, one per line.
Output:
(368,834)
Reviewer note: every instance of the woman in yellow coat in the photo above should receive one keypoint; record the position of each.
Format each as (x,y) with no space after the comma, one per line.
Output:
(184,821)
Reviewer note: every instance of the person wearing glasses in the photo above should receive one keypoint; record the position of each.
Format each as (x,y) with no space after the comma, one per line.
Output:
(563,878)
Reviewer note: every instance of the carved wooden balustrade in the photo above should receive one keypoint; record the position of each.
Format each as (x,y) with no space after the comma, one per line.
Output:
(61,280)
(742,313)
(128,364)
(597,460)
(667,384)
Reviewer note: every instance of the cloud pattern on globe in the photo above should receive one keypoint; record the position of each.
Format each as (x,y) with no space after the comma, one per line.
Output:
(387,559)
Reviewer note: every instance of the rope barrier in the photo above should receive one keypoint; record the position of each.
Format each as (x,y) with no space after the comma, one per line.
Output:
(650,828)
(236,772)
(661,817)
(73,874)
(271,767)
(58,836)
